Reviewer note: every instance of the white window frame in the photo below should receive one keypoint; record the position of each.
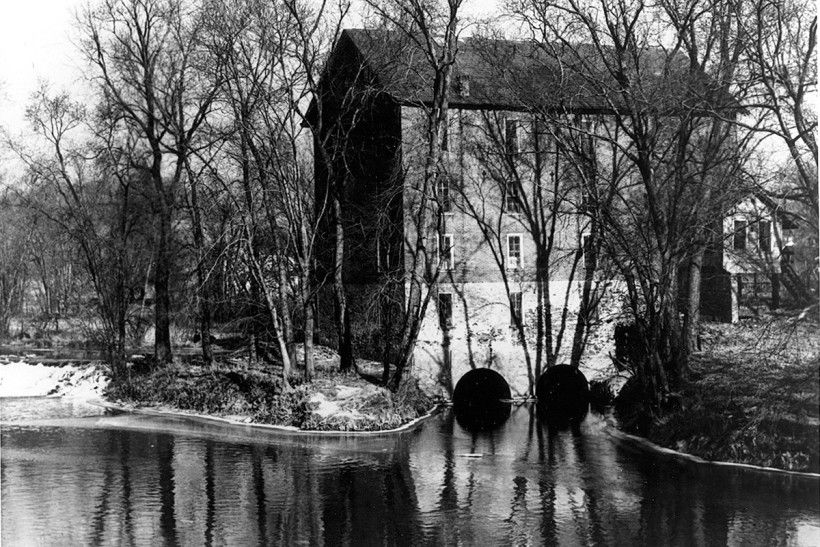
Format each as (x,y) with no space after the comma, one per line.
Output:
(519,262)
(446,182)
(512,207)
(449,264)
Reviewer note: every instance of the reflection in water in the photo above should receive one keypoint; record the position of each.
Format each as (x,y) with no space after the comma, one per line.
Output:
(137,480)
(563,418)
(489,417)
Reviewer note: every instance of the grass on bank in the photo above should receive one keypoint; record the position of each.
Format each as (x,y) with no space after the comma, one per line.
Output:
(753,396)
(253,392)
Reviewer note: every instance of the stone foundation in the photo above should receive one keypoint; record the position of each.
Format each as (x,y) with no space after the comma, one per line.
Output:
(480,334)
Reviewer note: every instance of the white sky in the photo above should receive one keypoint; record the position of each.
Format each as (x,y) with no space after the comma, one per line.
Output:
(34,46)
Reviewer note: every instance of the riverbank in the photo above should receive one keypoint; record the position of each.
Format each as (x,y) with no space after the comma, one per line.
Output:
(244,392)
(752,397)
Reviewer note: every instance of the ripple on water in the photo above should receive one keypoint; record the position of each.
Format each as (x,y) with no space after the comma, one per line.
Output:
(23,409)
(117,480)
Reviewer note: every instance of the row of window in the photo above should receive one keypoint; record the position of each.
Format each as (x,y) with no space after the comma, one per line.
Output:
(444,196)
(511,140)
(743,227)
(445,309)
(446,248)
(512,200)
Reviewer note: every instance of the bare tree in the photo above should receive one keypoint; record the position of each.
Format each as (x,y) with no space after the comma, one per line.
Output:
(145,55)
(15,242)
(653,118)
(332,115)
(713,156)
(779,41)
(315,30)
(273,55)
(91,196)
(432,28)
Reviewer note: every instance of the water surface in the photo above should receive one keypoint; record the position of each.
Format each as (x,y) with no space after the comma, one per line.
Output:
(73,476)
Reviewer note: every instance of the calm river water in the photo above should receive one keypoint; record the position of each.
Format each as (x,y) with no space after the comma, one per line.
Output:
(72,475)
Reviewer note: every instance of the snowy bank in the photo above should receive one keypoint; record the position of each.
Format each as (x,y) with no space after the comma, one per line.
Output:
(21,379)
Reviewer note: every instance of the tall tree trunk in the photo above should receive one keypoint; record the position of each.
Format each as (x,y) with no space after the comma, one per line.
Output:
(551,354)
(387,335)
(119,357)
(674,350)
(586,306)
(343,334)
(121,304)
(162,298)
(282,288)
(307,310)
(691,319)
(270,303)
(539,328)
(201,278)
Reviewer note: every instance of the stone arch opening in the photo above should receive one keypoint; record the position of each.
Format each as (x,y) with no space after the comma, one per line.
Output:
(481,399)
(563,390)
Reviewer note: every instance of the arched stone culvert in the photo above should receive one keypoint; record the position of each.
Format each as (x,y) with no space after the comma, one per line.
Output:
(563,391)
(481,400)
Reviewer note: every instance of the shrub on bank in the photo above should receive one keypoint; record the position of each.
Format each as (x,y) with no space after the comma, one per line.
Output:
(256,393)
(222,389)
(751,397)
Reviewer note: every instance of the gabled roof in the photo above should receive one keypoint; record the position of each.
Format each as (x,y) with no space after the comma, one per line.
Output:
(516,75)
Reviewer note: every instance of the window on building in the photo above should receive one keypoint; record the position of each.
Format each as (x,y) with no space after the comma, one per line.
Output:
(514,254)
(739,243)
(512,198)
(445,248)
(443,189)
(445,310)
(511,136)
(764,235)
(515,308)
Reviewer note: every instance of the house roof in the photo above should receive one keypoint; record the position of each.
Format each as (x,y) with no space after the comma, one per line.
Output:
(517,75)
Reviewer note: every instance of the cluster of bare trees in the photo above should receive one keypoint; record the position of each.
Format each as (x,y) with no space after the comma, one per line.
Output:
(193,166)
(191,169)
(662,112)
(690,90)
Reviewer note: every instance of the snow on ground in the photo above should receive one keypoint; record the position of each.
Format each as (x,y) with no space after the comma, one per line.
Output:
(22,379)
